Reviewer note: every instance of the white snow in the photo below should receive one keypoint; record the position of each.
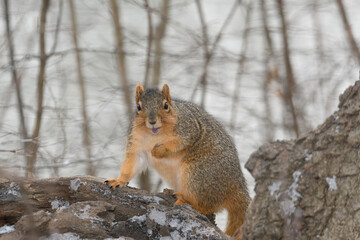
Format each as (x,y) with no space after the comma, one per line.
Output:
(14,190)
(337,129)
(59,204)
(75,184)
(288,205)
(158,216)
(190,225)
(152,199)
(187,228)
(166,238)
(308,156)
(64,236)
(205,231)
(175,235)
(138,219)
(274,187)
(332,183)
(7,229)
(84,214)
(120,238)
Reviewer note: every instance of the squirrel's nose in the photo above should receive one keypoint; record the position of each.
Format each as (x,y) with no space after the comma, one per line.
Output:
(152,122)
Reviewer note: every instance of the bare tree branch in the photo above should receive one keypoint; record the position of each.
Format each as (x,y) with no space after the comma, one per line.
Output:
(149,44)
(15,78)
(214,45)
(57,28)
(351,39)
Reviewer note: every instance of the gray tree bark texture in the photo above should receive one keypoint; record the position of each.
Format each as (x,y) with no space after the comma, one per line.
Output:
(308,188)
(83,207)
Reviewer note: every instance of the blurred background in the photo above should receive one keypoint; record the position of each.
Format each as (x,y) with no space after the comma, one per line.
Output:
(267,70)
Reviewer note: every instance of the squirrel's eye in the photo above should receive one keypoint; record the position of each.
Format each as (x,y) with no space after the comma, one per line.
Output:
(138,107)
(166,106)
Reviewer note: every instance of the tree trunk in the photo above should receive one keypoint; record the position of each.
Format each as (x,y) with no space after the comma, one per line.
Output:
(32,147)
(121,58)
(86,128)
(241,67)
(309,188)
(289,84)
(158,38)
(149,44)
(205,43)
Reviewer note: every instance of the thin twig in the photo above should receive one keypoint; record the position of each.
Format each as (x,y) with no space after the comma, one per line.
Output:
(149,44)
(215,44)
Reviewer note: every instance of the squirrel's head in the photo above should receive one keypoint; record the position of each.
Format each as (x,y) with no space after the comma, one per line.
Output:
(154,109)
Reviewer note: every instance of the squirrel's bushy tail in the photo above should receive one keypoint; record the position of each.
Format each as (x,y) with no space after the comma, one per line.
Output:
(236,208)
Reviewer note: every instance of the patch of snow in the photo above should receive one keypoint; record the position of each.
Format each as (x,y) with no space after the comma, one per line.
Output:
(336,117)
(190,225)
(175,235)
(288,205)
(274,187)
(152,199)
(205,231)
(166,238)
(59,204)
(175,223)
(64,236)
(187,228)
(308,156)
(332,183)
(158,216)
(138,219)
(84,214)
(7,229)
(76,183)
(11,193)
(119,238)
(337,129)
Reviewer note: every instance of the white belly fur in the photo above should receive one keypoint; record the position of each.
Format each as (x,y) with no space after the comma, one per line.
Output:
(168,168)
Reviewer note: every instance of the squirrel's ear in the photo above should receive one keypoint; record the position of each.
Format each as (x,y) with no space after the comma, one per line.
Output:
(139,91)
(166,91)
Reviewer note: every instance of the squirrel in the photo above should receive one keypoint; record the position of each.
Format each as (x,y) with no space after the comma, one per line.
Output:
(190,150)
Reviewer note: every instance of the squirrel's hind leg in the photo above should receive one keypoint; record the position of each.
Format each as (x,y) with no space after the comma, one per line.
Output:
(180,199)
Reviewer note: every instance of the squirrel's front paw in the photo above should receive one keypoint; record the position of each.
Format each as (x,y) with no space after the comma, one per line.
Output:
(115,182)
(159,151)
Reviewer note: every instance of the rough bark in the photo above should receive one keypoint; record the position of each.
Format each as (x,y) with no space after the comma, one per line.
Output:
(84,207)
(308,188)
